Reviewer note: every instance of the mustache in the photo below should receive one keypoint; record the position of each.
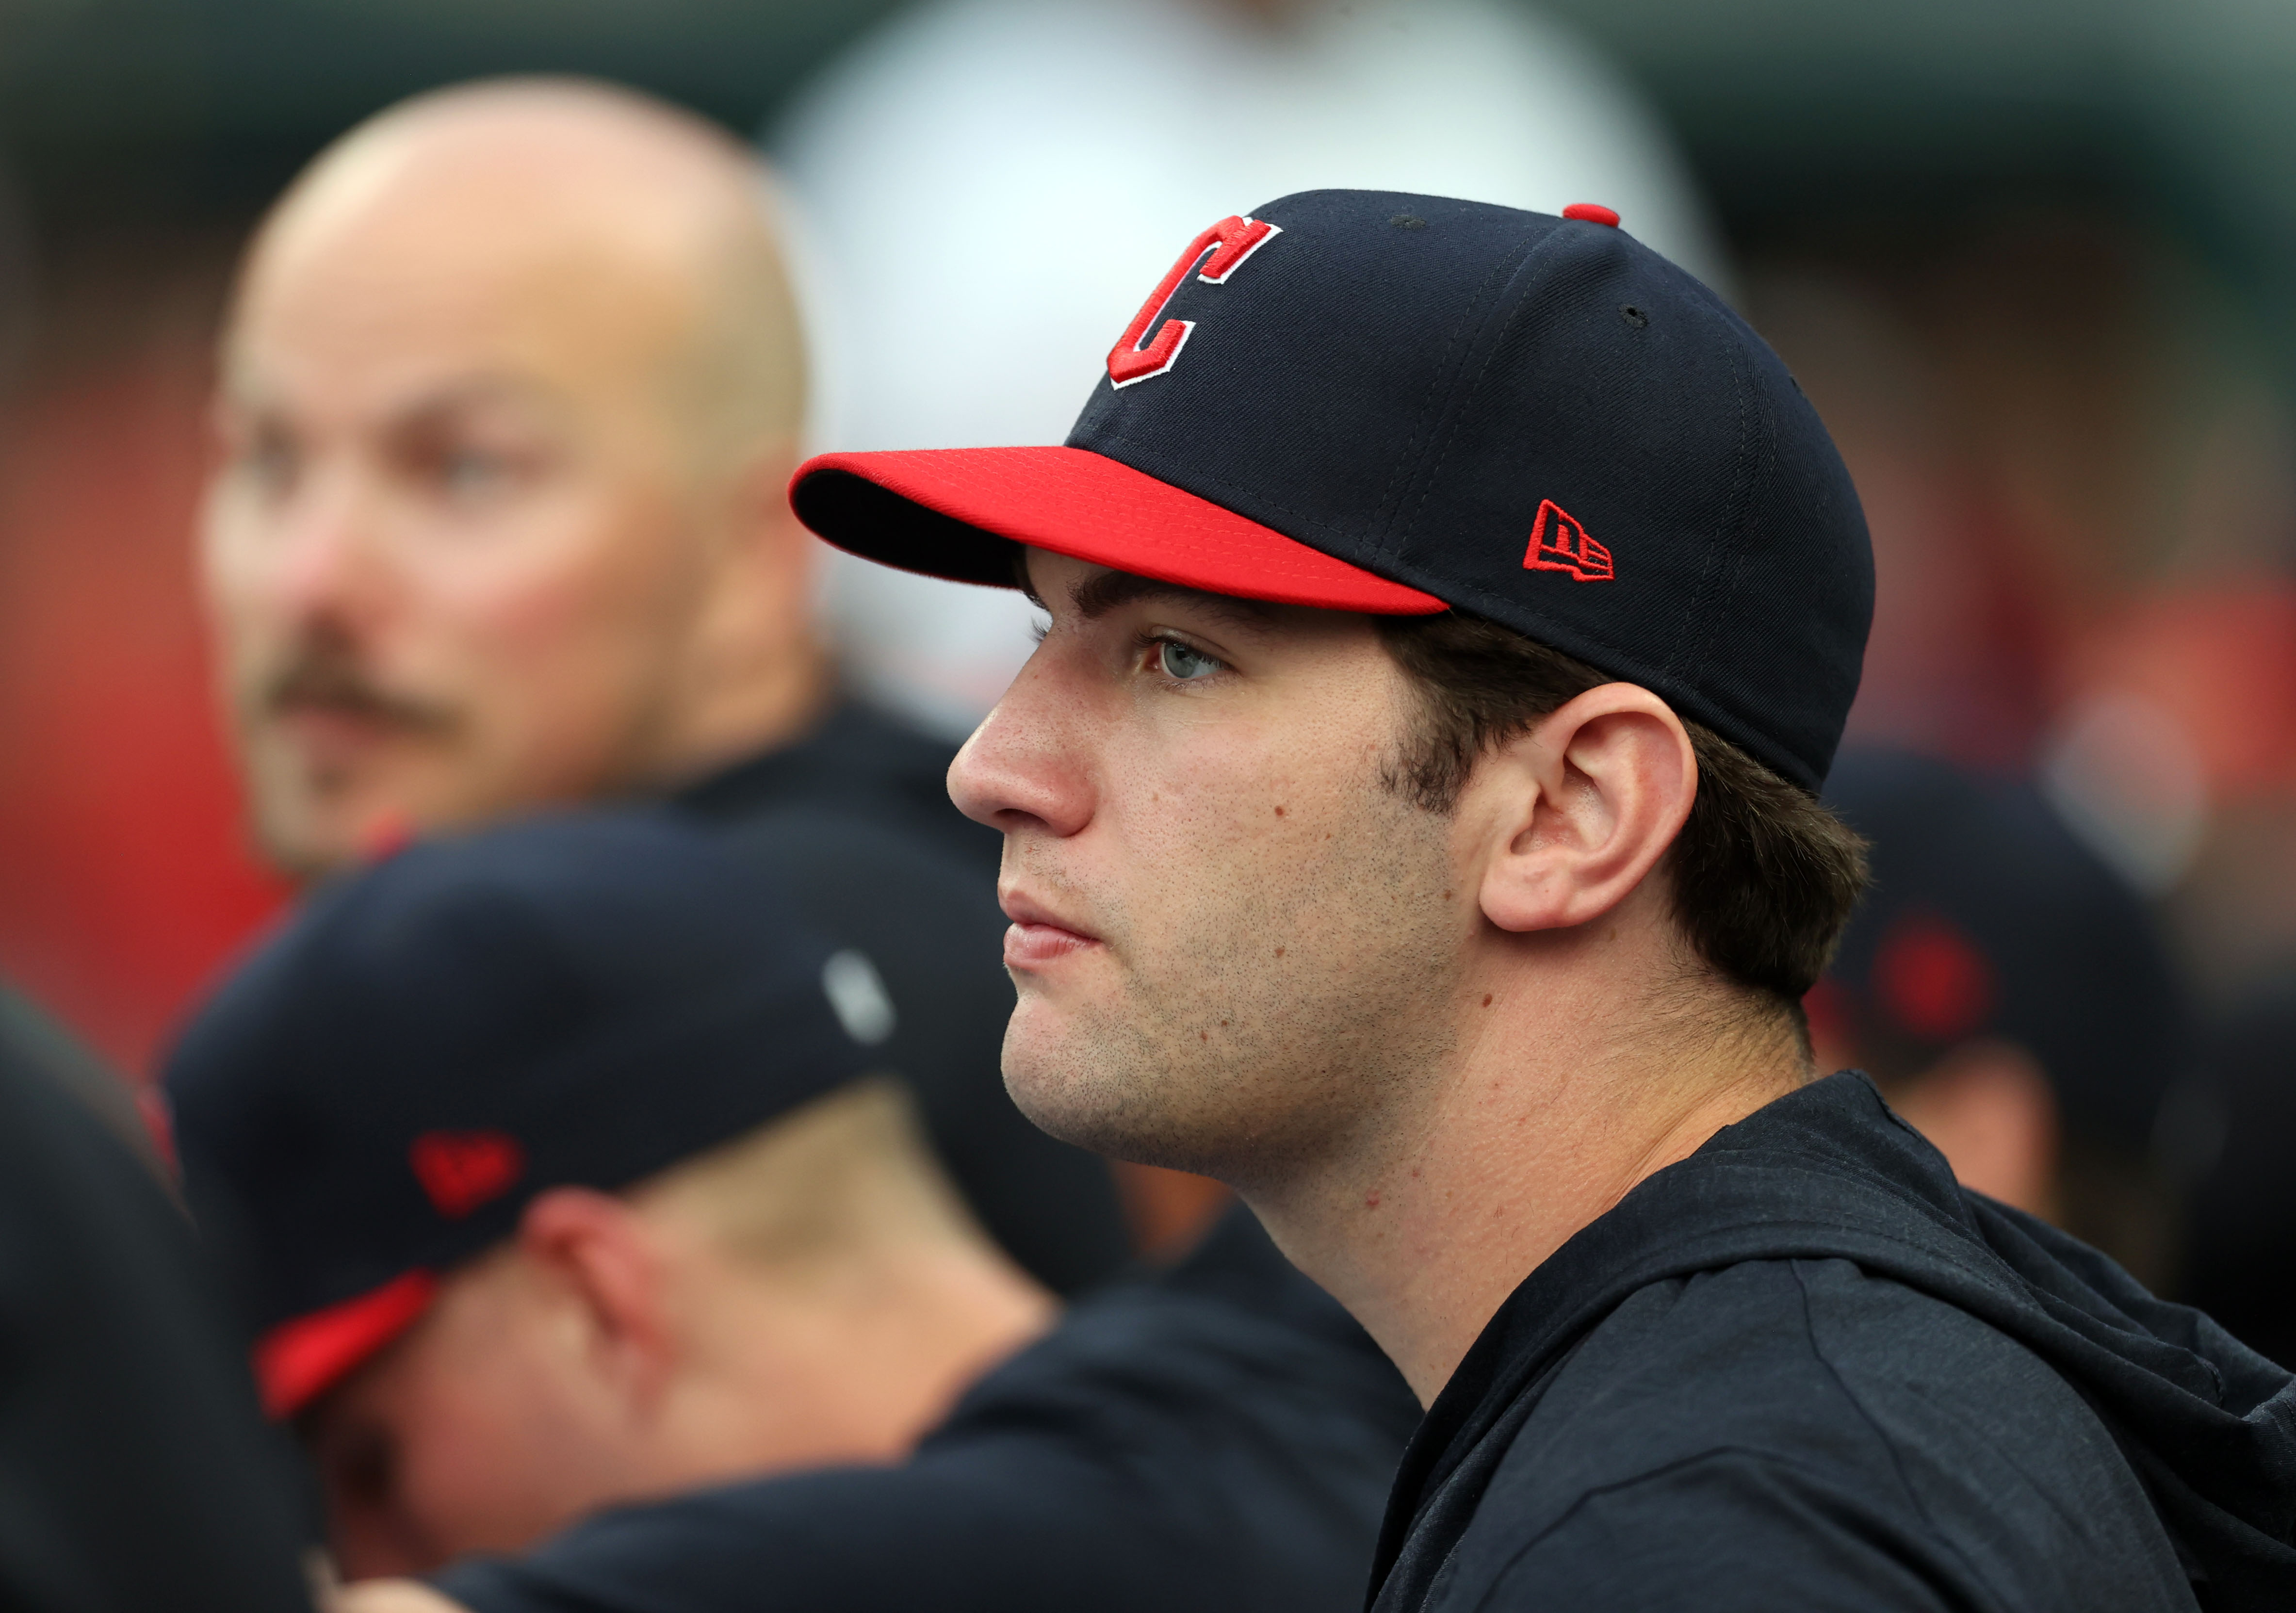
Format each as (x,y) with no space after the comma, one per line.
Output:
(333,680)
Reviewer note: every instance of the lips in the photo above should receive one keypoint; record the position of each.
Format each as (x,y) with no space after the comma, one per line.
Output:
(1038,937)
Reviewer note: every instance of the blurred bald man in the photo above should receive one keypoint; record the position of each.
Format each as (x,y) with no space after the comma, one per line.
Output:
(509,390)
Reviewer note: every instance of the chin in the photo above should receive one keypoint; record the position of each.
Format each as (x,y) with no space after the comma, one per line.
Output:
(1070,1087)
(305,832)
(1043,1083)
(302,845)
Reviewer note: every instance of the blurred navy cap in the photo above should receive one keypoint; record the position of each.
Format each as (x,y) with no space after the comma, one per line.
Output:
(379,1092)
(1987,917)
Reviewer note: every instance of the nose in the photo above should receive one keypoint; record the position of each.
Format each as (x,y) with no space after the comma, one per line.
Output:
(325,564)
(1025,767)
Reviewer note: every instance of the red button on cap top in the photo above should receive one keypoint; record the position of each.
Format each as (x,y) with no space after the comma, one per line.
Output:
(1592,212)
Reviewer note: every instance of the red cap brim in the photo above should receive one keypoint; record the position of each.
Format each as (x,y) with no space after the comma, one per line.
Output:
(298,1360)
(953,512)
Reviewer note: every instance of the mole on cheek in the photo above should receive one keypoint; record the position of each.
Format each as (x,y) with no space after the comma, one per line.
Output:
(1279,812)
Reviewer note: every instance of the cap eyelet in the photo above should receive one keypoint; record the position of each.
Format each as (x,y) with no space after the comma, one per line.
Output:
(1633,315)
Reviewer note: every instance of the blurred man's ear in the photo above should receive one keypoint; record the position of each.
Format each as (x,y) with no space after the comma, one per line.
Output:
(1988,1107)
(761,601)
(598,1262)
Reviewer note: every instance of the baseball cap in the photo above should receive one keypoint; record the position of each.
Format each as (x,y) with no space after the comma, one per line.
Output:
(378,1093)
(1987,917)
(1402,404)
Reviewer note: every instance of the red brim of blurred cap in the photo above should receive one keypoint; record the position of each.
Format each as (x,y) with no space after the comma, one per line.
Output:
(301,1359)
(954,513)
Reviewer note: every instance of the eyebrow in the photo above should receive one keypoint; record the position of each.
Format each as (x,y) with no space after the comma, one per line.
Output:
(1107,591)
(456,393)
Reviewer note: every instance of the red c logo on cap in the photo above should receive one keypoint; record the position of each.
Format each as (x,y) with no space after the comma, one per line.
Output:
(1230,242)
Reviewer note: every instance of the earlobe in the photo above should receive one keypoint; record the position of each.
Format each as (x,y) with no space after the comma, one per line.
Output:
(1580,809)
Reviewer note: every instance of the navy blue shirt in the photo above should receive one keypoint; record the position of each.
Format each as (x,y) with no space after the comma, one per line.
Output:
(1219,1439)
(1804,1369)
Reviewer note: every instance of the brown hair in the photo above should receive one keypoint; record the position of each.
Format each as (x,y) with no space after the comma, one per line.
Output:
(1764,877)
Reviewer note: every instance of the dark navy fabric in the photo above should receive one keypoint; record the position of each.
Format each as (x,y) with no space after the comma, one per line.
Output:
(612,991)
(1217,1440)
(2240,1254)
(858,763)
(853,820)
(1804,1369)
(136,1475)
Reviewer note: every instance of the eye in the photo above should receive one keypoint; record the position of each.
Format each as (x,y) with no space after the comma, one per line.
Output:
(268,459)
(1183,663)
(468,473)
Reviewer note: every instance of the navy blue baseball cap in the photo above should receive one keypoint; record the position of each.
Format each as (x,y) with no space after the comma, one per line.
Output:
(377,1093)
(1987,917)
(1403,404)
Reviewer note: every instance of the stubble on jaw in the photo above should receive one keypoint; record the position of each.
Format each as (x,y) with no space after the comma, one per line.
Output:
(1254,1028)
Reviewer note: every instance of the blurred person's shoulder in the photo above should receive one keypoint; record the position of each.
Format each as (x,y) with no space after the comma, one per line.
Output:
(36,1042)
(132,1447)
(1216,1436)
(1232,1331)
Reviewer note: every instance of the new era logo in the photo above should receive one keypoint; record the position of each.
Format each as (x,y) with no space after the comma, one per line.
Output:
(460,1171)
(1560,544)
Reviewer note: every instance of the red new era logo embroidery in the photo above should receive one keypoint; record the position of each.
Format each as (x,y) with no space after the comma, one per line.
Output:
(462,1170)
(1560,544)
(1229,241)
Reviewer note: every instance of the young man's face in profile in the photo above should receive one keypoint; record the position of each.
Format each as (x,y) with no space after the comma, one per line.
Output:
(448,546)
(1229,930)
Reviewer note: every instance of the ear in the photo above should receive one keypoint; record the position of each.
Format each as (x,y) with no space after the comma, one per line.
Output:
(603,1262)
(758,513)
(1574,815)
(758,605)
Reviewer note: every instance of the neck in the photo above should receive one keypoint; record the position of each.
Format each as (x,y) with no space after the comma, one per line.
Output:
(1556,1101)
(858,1361)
